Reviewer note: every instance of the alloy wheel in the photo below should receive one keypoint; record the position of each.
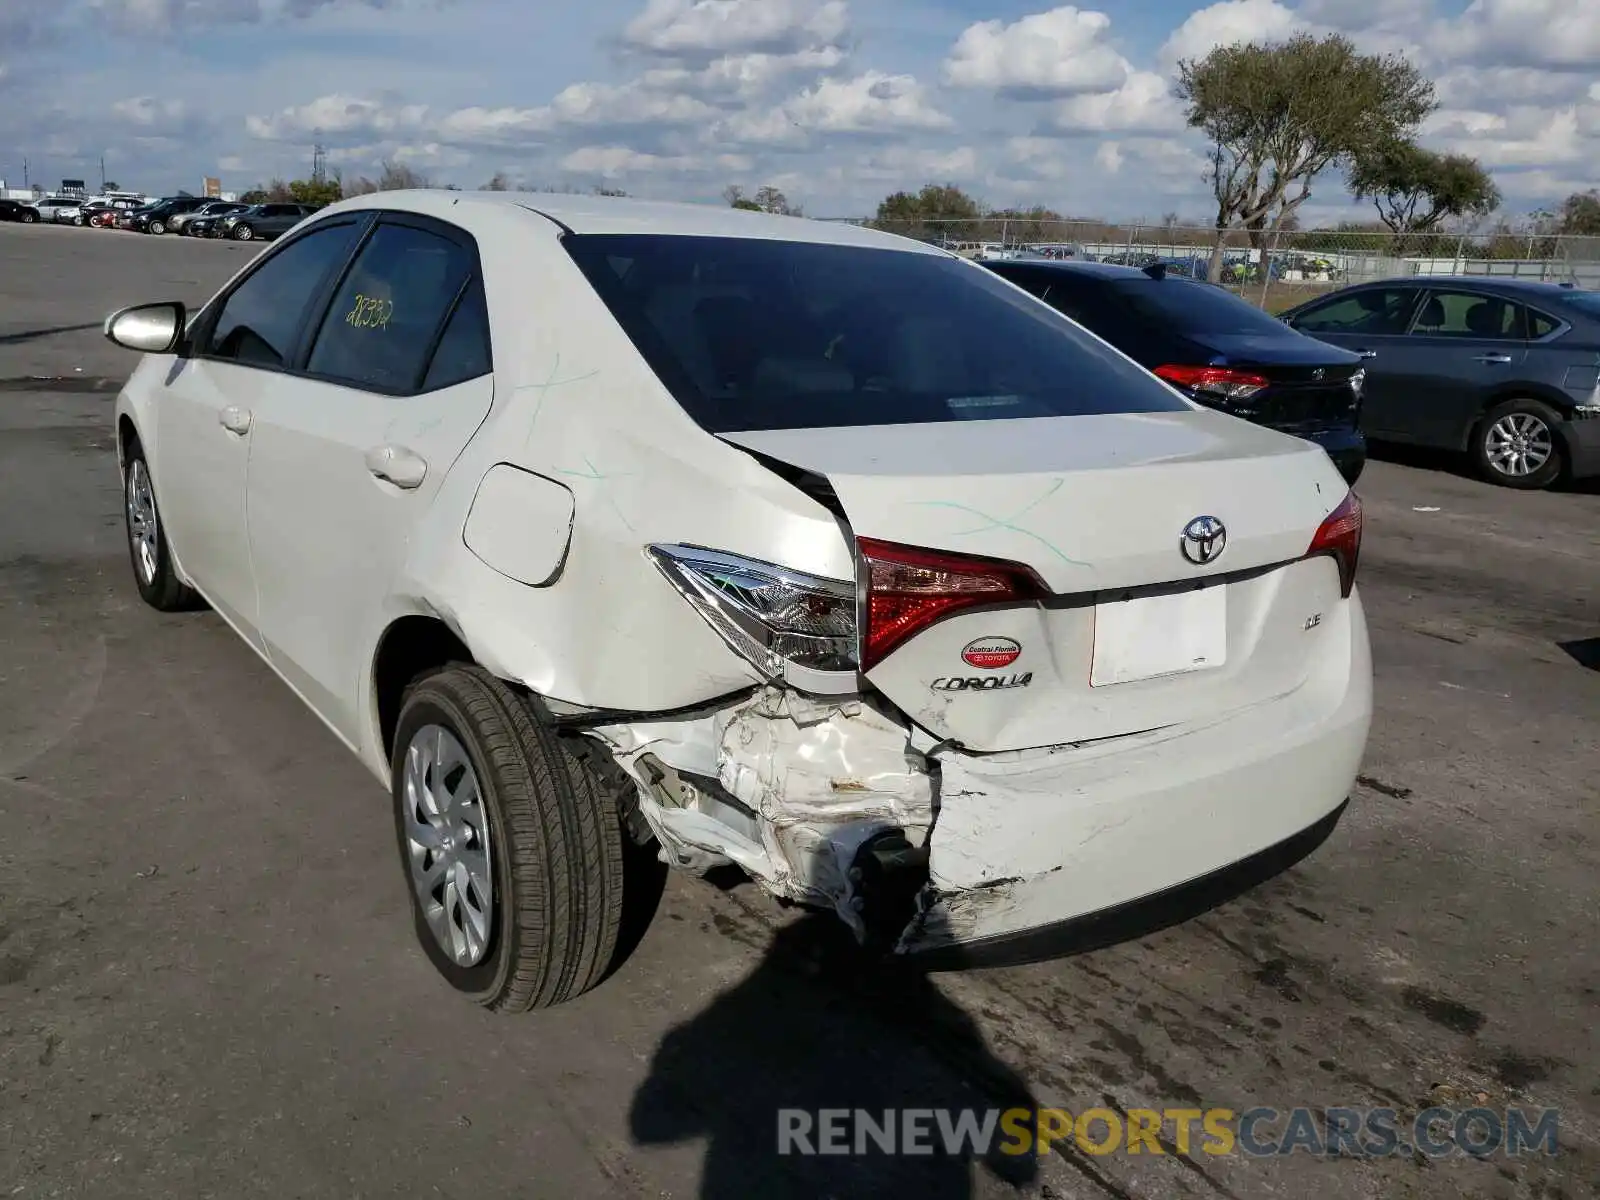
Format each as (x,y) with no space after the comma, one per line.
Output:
(1518,444)
(144,529)
(447,844)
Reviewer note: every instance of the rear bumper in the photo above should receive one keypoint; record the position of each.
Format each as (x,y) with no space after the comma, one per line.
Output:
(1347,447)
(1582,440)
(1025,842)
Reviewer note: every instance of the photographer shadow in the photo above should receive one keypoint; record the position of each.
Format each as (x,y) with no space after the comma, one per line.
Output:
(817,1026)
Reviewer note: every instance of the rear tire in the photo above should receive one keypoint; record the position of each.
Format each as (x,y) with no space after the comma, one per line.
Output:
(151,557)
(1515,445)
(549,821)
(29,218)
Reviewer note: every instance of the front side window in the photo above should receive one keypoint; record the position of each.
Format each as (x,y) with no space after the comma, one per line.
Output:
(1468,315)
(753,334)
(1373,311)
(258,321)
(383,319)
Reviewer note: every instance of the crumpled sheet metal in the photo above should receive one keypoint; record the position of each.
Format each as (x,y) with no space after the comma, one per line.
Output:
(821,776)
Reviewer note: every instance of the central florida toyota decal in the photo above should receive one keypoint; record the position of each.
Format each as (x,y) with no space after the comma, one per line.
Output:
(991,653)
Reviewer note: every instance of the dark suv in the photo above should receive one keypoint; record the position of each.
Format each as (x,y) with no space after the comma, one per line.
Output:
(1221,351)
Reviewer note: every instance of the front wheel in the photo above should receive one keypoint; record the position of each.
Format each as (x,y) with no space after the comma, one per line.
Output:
(159,585)
(158,227)
(512,843)
(243,233)
(1515,445)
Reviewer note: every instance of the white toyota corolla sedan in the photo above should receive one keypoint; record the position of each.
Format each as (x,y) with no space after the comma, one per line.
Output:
(603,530)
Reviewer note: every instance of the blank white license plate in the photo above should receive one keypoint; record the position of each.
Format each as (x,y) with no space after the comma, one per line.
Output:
(1151,636)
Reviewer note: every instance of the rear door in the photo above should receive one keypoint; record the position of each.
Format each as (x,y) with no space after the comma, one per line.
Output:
(1371,322)
(1463,346)
(348,455)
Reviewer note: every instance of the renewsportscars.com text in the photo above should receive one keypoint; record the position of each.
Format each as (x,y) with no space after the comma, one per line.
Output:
(1254,1132)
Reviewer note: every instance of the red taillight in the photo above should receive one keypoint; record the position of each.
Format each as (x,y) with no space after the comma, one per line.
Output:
(908,589)
(1340,536)
(1220,381)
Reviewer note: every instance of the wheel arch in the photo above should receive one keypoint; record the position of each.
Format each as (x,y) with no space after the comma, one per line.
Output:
(410,646)
(1518,390)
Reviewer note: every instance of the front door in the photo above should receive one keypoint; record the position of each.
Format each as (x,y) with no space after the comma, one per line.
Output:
(205,415)
(347,456)
(1371,322)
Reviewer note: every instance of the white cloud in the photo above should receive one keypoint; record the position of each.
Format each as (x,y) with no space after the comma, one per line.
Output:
(1062,52)
(742,76)
(1228,22)
(604,104)
(712,28)
(1549,33)
(873,102)
(149,111)
(1515,138)
(615,162)
(1143,104)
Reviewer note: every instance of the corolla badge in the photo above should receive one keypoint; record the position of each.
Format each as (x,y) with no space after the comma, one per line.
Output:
(1203,541)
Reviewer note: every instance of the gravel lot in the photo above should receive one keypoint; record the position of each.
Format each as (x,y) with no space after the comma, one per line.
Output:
(208,985)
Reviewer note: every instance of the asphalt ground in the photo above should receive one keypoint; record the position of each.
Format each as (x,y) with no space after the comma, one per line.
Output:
(209,987)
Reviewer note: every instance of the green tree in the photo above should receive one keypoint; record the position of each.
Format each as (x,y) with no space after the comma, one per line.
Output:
(939,212)
(1415,189)
(310,191)
(1580,214)
(767,199)
(1278,115)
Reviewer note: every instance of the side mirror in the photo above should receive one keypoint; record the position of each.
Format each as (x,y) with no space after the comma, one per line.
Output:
(148,328)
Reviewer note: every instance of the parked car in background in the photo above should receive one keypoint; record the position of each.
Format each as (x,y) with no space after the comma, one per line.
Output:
(1505,371)
(180,222)
(1216,348)
(156,218)
(16,210)
(98,214)
(947,727)
(51,208)
(265,221)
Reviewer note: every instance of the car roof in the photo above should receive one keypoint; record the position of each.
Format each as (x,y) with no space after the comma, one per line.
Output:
(1077,267)
(1487,283)
(624,215)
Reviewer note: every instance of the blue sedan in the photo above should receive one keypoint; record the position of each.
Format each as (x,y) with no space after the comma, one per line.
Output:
(1505,371)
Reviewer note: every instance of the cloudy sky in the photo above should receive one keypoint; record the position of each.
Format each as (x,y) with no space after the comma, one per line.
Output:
(836,101)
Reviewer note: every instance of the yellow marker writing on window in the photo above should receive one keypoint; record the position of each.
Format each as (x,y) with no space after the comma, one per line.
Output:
(370,312)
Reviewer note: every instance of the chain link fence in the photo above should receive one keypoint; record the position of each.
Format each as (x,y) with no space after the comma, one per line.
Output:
(1275,270)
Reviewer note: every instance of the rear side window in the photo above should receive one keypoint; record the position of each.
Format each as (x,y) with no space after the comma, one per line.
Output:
(384,316)
(1468,315)
(1375,311)
(752,334)
(463,351)
(259,319)
(1190,307)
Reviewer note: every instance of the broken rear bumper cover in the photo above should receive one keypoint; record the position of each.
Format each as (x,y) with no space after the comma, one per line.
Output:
(792,789)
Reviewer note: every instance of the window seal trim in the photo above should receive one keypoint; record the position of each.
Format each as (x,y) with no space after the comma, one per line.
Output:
(206,324)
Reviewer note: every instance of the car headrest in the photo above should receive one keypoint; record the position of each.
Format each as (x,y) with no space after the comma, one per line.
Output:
(1432,314)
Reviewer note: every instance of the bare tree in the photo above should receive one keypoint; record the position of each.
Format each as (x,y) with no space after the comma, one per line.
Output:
(499,183)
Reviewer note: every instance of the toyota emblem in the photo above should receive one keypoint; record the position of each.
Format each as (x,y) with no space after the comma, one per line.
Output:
(1203,540)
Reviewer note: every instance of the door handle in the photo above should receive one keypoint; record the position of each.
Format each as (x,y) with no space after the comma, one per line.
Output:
(1367,353)
(1494,358)
(397,465)
(235,419)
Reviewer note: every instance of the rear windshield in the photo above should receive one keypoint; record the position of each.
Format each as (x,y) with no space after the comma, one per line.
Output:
(752,334)
(1195,307)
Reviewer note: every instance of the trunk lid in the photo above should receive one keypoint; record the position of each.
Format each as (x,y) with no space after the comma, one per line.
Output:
(1135,635)
(1308,382)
